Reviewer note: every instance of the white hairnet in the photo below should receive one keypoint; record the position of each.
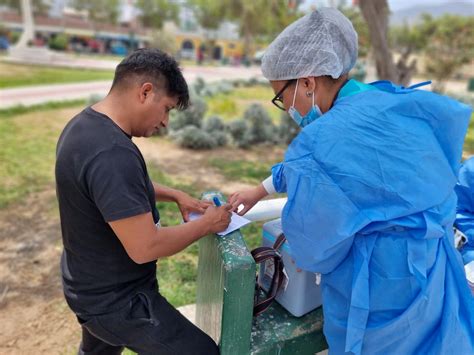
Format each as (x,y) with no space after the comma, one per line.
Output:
(323,42)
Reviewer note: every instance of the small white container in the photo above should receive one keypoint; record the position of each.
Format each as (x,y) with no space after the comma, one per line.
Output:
(469,267)
(301,293)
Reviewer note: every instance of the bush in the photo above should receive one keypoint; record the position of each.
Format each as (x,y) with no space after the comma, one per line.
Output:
(216,128)
(213,124)
(223,87)
(193,116)
(261,128)
(199,86)
(288,128)
(237,128)
(239,83)
(58,42)
(239,131)
(194,138)
(220,138)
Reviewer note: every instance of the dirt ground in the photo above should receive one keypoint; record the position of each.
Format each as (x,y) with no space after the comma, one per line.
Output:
(35,319)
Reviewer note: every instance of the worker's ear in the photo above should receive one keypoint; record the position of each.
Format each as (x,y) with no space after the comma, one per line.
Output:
(146,90)
(309,84)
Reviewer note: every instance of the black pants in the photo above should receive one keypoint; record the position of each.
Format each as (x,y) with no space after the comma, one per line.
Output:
(147,325)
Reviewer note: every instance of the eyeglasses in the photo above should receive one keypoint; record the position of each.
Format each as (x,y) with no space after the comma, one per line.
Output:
(278,99)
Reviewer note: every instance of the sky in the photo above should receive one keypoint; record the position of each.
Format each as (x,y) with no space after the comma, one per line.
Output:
(394,5)
(403,4)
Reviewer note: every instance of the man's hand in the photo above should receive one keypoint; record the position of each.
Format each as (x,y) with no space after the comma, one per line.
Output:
(187,204)
(248,198)
(218,218)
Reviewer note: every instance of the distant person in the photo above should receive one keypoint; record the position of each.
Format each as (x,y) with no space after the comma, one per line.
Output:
(200,56)
(371,203)
(110,224)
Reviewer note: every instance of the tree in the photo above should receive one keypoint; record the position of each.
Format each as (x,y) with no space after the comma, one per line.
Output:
(154,13)
(376,14)
(208,13)
(446,43)
(450,45)
(99,11)
(261,18)
(360,25)
(256,18)
(40,7)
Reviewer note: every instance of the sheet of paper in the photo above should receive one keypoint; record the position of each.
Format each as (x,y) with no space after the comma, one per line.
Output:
(236,222)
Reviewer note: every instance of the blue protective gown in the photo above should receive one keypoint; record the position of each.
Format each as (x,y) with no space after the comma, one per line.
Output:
(371,206)
(465,212)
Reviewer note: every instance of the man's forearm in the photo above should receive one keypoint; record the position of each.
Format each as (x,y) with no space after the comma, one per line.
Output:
(164,193)
(168,241)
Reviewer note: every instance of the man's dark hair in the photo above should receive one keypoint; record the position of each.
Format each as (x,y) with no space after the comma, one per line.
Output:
(152,65)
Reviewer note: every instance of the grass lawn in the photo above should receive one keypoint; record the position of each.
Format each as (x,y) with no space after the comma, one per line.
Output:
(14,75)
(233,105)
(246,171)
(28,139)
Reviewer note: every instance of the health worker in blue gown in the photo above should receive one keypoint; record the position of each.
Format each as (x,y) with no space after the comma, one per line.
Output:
(371,203)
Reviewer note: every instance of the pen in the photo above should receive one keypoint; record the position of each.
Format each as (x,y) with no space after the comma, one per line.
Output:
(216,201)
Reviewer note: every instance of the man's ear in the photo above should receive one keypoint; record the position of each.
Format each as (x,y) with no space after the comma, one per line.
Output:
(145,91)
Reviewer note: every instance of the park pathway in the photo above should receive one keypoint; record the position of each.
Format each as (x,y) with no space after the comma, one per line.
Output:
(32,95)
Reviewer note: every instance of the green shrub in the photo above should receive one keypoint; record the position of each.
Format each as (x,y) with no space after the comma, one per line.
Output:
(288,128)
(261,128)
(199,85)
(213,124)
(237,128)
(194,138)
(58,42)
(216,128)
(193,116)
(220,138)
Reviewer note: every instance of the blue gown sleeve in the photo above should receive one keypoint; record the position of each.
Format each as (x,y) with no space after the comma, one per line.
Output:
(279,181)
(319,220)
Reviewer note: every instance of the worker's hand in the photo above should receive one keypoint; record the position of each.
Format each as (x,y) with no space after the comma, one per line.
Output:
(218,218)
(187,204)
(248,198)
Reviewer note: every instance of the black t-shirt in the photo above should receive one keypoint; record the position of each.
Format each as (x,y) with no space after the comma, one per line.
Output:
(101,177)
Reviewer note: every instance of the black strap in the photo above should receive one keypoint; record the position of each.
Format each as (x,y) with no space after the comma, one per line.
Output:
(260,255)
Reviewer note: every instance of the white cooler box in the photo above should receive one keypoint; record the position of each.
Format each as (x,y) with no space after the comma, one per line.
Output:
(301,292)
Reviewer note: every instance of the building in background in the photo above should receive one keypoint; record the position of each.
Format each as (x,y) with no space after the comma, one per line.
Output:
(82,36)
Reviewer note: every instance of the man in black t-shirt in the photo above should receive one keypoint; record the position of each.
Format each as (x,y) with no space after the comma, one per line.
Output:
(110,225)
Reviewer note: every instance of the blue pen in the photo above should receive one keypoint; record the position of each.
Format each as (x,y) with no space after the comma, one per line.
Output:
(216,201)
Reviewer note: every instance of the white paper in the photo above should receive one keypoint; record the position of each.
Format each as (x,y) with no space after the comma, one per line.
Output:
(236,222)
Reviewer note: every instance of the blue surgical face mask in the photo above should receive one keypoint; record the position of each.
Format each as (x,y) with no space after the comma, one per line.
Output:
(313,114)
